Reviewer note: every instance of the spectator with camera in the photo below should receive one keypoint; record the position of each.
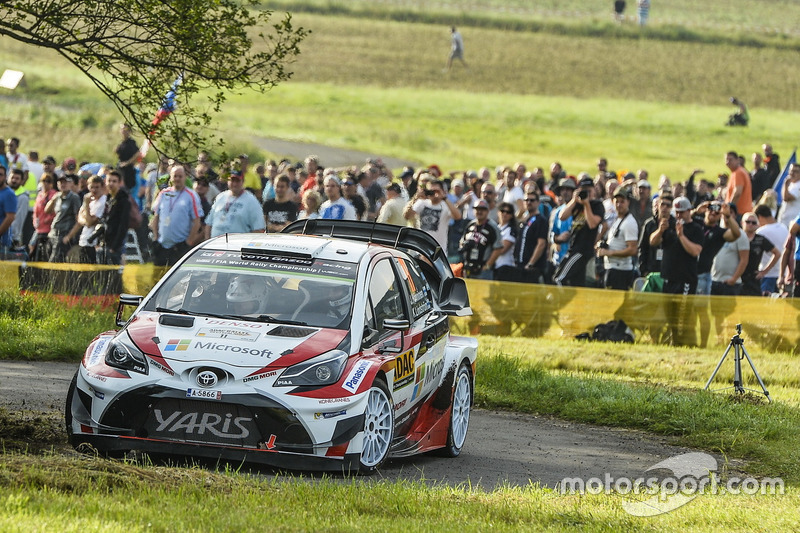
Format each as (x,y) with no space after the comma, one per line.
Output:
(714,236)
(650,256)
(90,217)
(481,244)
(432,211)
(620,245)
(587,215)
(559,229)
(682,240)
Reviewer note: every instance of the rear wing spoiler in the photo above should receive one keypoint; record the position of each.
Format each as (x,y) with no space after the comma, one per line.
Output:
(453,297)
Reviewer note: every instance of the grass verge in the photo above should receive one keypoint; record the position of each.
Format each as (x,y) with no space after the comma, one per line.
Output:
(741,427)
(37,327)
(80,494)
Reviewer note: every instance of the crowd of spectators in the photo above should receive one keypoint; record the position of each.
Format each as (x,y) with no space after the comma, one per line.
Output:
(724,236)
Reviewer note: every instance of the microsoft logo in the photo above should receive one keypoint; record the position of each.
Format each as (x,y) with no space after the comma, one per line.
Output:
(177,345)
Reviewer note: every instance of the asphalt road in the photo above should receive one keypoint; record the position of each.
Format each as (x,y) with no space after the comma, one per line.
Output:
(501,449)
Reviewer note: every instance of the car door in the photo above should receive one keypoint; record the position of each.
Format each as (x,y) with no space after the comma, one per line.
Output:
(428,336)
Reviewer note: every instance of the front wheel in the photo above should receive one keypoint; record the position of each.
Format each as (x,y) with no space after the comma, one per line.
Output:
(459,415)
(68,406)
(378,428)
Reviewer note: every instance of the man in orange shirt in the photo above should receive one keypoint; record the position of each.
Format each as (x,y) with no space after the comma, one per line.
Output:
(739,189)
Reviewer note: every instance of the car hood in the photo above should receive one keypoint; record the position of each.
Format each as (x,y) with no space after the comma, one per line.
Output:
(184,338)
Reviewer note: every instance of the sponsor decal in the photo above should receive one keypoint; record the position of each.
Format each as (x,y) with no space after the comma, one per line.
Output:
(356,375)
(232,349)
(229,427)
(205,394)
(98,352)
(228,333)
(217,322)
(248,379)
(403,369)
(400,405)
(318,416)
(98,377)
(161,367)
(434,371)
(416,392)
(334,400)
(177,345)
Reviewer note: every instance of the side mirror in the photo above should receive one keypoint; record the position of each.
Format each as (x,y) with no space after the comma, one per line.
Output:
(454,299)
(396,325)
(126,299)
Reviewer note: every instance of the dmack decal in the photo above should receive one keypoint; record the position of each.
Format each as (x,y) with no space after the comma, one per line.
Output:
(211,422)
(260,376)
(161,367)
(403,369)
(353,379)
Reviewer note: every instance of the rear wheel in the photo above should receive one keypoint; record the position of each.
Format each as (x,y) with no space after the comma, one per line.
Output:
(378,428)
(459,415)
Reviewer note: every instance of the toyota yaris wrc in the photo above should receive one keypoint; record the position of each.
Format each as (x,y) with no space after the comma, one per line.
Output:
(325,347)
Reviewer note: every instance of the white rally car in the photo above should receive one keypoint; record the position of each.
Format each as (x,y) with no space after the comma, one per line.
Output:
(325,347)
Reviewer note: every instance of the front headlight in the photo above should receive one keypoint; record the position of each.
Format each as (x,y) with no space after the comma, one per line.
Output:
(324,369)
(126,356)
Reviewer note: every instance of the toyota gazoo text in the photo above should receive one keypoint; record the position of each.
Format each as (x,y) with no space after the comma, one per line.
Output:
(325,347)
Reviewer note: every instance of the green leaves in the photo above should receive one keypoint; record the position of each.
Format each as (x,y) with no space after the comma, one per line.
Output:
(133,50)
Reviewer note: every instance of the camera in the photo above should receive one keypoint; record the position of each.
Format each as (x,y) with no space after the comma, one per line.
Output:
(98,232)
(583,195)
(430,192)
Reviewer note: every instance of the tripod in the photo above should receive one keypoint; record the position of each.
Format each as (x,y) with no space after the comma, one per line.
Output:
(737,343)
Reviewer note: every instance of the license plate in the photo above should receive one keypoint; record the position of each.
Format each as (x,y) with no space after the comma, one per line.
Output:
(205,394)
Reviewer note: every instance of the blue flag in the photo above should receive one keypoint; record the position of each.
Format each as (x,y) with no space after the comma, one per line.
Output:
(778,185)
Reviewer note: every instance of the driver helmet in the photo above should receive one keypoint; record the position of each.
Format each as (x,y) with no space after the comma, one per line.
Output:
(340,298)
(246,295)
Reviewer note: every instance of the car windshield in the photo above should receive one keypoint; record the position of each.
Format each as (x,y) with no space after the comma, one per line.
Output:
(267,288)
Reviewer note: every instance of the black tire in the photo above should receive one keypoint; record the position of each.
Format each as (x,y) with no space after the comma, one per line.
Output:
(459,414)
(378,428)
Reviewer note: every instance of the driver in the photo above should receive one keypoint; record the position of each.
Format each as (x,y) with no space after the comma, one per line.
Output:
(339,297)
(246,295)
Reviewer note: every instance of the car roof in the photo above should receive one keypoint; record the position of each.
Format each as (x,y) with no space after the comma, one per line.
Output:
(329,248)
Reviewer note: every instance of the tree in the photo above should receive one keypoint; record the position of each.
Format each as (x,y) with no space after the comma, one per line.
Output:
(134,50)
